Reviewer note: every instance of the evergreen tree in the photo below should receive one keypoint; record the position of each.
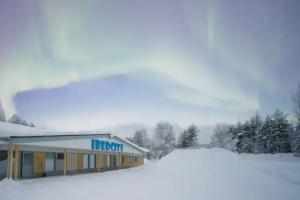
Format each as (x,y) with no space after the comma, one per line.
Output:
(15,119)
(295,138)
(245,139)
(192,132)
(296,144)
(189,137)
(263,138)
(184,141)
(235,132)
(281,130)
(256,123)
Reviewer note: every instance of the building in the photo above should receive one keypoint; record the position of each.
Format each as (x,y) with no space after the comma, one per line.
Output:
(27,155)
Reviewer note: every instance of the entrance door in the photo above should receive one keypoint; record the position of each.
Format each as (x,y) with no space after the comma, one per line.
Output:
(3,164)
(27,164)
(113,161)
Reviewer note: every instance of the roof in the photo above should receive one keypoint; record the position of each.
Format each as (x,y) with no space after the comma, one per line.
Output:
(9,130)
(134,145)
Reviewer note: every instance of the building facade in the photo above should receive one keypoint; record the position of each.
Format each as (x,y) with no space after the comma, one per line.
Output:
(49,155)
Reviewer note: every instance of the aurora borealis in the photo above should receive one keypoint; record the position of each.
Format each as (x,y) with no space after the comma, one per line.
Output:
(198,61)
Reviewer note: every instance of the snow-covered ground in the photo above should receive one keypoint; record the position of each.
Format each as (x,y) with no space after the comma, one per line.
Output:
(184,174)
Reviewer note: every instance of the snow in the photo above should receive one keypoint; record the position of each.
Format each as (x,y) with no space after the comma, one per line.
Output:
(208,174)
(10,129)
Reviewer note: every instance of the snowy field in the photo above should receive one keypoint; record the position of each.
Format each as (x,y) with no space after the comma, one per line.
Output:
(184,174)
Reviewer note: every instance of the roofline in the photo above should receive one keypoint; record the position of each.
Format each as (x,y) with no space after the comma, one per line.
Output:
(133,145)
(64,135)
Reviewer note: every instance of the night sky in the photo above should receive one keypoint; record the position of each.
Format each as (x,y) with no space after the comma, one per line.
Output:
(89,64)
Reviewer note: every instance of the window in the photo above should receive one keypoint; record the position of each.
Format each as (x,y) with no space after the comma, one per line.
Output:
(59,163)
(123,159)
(85,161)
(60,156)
(49,163)
(3,155)
(92,161)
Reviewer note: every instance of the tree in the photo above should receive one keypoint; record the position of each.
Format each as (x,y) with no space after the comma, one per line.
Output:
(222,136)
(263,138)
(15,119)
(163,141)
(256,123)
(189,137)
(281,130)
(141,138)
(296,105)
(193,135)
(245,139)
(295,137)
(183,141)
(2,114)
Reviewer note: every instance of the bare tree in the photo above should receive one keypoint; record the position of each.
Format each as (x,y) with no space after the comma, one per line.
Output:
(163,141)
(141,138)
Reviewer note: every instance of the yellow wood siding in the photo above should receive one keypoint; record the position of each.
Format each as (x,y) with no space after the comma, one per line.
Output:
(65,162)
(10,161)
(17,162)
(80,161)
(72,161)
(118,162)
(39,162)
(104,161)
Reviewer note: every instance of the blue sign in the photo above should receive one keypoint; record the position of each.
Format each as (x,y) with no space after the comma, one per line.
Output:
(106,145)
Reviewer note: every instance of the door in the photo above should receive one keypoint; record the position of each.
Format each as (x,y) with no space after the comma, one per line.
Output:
(27,164)
(49,162)
(113,161)
(3,164)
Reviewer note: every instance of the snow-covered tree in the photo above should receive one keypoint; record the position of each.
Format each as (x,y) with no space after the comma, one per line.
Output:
(163,141)
(2,113)
(256,123)
(141,138)
(295,137)
(263,138)
(281,129)
(245,139)
(296,105)
(15,119)
(222,136)
(189,137)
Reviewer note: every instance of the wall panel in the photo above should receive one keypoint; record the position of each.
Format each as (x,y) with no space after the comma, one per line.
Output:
(39,162)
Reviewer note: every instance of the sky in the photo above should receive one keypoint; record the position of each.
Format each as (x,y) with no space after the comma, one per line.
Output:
(75,65)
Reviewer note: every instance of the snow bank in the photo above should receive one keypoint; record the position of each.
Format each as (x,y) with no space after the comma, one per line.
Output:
(208,174)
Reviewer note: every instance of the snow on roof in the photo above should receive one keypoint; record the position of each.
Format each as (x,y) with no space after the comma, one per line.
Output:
(10,129)
(136,146)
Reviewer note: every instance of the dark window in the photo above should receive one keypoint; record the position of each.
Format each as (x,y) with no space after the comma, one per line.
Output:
(3,155)
(60,156)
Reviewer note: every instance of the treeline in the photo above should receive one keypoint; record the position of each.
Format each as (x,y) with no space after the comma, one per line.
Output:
(15,119)
(164,139)
(272,134)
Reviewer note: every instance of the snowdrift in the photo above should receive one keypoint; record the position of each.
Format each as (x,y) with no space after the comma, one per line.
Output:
(209,174)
